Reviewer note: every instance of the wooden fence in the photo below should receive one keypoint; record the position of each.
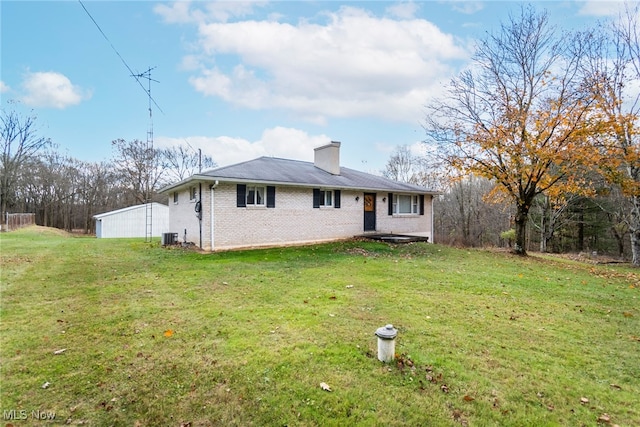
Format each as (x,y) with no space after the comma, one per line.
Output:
(18,220)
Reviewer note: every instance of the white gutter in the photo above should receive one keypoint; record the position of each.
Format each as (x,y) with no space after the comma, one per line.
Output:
(212,187)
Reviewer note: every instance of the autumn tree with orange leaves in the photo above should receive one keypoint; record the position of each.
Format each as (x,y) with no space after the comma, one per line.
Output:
(520,115)
(612,65)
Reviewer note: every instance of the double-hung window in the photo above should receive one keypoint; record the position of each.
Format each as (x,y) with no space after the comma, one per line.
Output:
(405,204)
(255,195)
(326,198)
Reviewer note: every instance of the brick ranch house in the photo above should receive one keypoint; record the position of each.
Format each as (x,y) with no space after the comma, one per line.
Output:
(276,202)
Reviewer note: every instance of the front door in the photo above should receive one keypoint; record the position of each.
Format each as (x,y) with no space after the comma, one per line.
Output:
(369,211)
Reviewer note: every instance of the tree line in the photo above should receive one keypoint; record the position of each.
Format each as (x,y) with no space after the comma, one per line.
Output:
(469,214)
(65,192)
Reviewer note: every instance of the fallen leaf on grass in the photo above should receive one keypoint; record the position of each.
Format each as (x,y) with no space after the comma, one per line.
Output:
(627,314)
(168,333)
(616,386)
(604,418)
(468,398)
(46,384)
(62,350)
(444,388)
(325,386)
(584,400)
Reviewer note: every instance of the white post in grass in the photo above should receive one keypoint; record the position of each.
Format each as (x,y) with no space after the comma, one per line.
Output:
(386,343)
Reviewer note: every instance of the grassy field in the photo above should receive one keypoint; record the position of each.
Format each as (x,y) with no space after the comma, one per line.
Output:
(106,332)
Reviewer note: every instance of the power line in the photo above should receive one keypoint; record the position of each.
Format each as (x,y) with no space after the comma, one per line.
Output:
(149,148)
(137,76)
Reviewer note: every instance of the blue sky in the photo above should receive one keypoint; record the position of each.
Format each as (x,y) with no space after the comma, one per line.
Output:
(241,80)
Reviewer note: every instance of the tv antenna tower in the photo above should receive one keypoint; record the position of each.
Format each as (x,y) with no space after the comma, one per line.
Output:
(149,163)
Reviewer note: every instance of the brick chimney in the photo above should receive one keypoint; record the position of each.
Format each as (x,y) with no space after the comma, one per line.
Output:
(327,158)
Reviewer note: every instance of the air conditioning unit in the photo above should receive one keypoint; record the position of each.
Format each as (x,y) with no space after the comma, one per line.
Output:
(169,239)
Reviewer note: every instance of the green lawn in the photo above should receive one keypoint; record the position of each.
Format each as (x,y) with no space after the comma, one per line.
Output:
(150,336)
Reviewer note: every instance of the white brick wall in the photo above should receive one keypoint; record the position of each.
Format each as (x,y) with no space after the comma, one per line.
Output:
(293,220)
(182,217)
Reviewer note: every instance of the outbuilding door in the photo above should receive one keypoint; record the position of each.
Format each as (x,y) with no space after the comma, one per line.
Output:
(369,211)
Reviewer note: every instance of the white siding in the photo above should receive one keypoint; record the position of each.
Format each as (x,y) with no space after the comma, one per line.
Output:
(131,222)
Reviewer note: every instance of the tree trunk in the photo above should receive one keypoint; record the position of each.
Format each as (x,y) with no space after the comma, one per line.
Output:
(544,224)
(634,231)
(619,240)
(580,247)
(635,248)
(522,215)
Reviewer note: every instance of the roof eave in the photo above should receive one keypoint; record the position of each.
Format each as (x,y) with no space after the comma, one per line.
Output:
(213,179)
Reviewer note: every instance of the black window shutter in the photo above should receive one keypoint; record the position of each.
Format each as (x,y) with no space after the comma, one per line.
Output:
(390,203)
(422,204)
(271,196)
(316,197)
(336,196)
(241,196)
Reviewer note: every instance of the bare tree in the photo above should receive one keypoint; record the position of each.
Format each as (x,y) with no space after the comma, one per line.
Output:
(99,190)
(425,170)
(139,169)
(518,116)
(20,143)
(401,165)
(180,162)
(465,216)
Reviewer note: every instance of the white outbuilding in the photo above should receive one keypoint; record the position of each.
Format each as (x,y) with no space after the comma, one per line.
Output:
(132,221)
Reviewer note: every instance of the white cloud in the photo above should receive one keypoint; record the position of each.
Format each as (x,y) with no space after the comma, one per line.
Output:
(178,12)
(354,64)
(417,148)
(600,7)
(466,6)
(403,10)
(4,87)
(275,142)
(181,12)
(51,89)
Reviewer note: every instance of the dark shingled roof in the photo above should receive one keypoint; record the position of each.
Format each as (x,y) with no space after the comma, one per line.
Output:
(270,170)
